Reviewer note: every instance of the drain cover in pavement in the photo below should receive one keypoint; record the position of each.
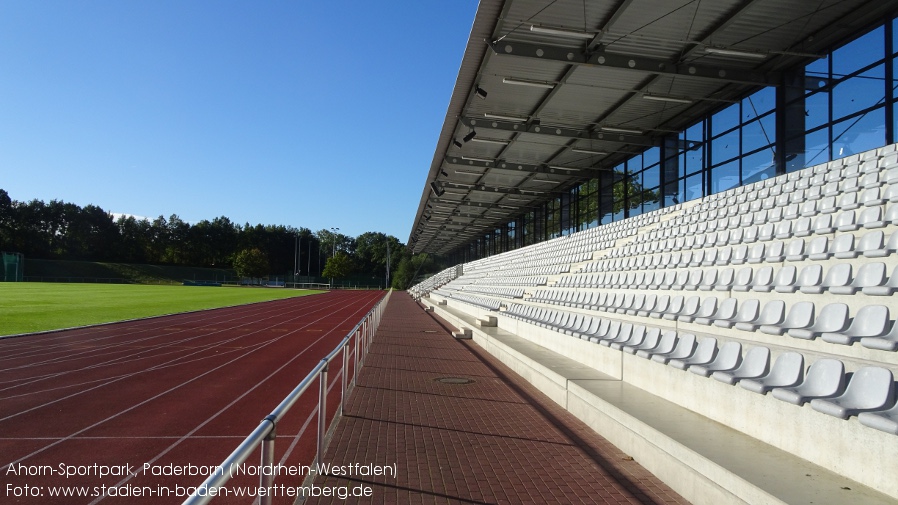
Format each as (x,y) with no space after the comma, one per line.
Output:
(454,380)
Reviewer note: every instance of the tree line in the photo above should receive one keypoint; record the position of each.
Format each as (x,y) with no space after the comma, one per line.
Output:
(60,230)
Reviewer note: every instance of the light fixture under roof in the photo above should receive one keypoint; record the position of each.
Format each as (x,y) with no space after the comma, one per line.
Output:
(614,129)
(665,98)
(557,167)
(545,181)
(734,53)
(562,32)
(505,118)
(586,151)
(468,172)
(491,141)
(525,82)
(484,160)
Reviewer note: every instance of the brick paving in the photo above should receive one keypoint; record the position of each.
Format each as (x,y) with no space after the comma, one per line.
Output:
(495,440)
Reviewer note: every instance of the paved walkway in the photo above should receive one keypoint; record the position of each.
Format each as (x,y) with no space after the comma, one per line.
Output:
(493,440)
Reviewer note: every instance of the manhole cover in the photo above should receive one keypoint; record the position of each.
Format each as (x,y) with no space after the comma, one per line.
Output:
(454,380)
(429,331)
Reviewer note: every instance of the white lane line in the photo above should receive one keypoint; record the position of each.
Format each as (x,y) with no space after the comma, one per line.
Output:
(175,444)
(37,451)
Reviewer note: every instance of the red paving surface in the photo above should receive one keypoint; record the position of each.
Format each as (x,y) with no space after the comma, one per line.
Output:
(497,440)
(175,390)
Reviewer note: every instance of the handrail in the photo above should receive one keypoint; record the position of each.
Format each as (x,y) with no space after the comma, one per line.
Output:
(266,432)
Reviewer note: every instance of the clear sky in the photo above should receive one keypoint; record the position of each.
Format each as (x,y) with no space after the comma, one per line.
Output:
(303,113)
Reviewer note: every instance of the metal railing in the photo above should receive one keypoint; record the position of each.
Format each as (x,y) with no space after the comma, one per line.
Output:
(265,434)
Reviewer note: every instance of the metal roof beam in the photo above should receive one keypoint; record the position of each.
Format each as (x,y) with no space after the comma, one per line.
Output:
(476,204)
(557,131)
(519,167)
(634,63)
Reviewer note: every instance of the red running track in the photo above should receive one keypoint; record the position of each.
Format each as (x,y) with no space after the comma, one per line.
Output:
(176,390)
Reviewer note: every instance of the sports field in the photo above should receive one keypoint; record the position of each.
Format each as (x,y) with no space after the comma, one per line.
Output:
(28,307)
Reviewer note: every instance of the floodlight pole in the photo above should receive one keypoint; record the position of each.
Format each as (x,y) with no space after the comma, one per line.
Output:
(295,258)
(334,254)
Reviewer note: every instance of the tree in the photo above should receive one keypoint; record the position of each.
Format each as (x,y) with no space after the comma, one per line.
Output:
(409,267)
(7,220)
(338,266)
(251,263)
(371,253)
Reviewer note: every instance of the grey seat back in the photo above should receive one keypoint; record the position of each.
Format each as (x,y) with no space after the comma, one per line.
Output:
(838,275)
(801,315)
(870,388)
(665,345)
(825,377)
(727,358)
(832,318)
(870,321)
(649,341)
(684,348)
(787,371)
(705,352)
(756,363)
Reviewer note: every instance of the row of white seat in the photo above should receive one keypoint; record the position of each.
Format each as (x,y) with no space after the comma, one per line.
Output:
(874,217)
(868,392)
(824,200)
(493,291)
(818,175)
(763,224)
(479,301)
(871,325)
(872,244)
(871,279)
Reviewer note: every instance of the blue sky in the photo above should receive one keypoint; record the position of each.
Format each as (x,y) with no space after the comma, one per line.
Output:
(313,114)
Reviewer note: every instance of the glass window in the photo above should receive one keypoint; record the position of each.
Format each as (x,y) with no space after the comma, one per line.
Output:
(816,110)
(859,92)
(895,35)
(651,177)
(696,132)
(651,200)
(758,103)
(895,119)
(692,160)
(894,84)
(651,156)
(694,186)
(759,133)
(634,164)
(758,167)
(859,134)
(725,147)
(725,177)
(816,147)
(673,192)
(727,119)
(817,68)
(859,53)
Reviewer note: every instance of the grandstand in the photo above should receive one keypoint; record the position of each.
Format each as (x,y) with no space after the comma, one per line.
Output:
(709,282)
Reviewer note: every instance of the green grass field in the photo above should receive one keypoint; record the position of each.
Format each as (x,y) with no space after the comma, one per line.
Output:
(30,306)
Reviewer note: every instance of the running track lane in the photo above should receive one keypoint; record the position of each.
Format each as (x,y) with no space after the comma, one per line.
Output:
(177,390)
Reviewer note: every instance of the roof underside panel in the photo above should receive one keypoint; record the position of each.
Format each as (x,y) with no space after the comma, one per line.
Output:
(565,71)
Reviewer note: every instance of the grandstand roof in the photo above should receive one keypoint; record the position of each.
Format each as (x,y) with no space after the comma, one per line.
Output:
(542,81)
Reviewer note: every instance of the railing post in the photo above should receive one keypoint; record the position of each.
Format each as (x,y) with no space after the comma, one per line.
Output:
(355,357)
(364,339)
(322,412)
(343,381)
(266,479)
